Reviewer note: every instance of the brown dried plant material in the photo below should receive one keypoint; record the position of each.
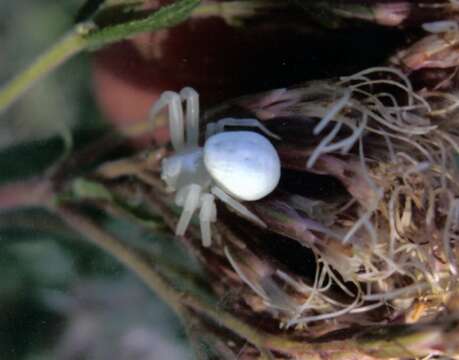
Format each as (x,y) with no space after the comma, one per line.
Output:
(438,50)
(392,236)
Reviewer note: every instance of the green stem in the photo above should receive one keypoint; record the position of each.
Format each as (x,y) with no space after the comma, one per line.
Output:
(109,243)
(67,47)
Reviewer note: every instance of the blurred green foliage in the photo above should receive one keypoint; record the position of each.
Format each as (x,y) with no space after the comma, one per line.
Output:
(62,101)
(45,270)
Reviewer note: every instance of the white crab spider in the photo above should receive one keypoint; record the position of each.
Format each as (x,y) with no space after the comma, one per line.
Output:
(232,166)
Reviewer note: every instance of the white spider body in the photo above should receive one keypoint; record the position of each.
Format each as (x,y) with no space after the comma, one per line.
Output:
(240,165)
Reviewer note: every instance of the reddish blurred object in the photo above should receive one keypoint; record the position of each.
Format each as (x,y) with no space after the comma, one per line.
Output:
(216,59)
(222,61)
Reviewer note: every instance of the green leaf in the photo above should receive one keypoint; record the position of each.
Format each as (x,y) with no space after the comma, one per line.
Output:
(166,16)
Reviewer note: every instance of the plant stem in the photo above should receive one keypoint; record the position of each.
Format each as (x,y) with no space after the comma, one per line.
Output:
(135,262)
(145,269)
(64,49)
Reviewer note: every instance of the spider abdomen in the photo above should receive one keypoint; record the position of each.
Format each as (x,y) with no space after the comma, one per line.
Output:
(243,163)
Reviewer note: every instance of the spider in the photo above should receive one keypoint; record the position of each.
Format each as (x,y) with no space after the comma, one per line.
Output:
(232,166)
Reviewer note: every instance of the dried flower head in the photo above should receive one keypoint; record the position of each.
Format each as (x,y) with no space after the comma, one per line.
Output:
(383,234)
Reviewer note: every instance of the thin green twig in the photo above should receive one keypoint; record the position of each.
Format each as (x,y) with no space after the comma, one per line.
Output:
(141,266)
(64,49)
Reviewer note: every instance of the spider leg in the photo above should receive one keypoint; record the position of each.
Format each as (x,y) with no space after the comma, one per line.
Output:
(236,205)
(211,129)
(176,124)
(207,215)
(191,97)
(220,125)
(189,198)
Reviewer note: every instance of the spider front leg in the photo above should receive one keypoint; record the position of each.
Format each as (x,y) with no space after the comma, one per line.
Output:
(237,206)
(188,197)
(219,126)
(176,124)
(191,97)
(207,215)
